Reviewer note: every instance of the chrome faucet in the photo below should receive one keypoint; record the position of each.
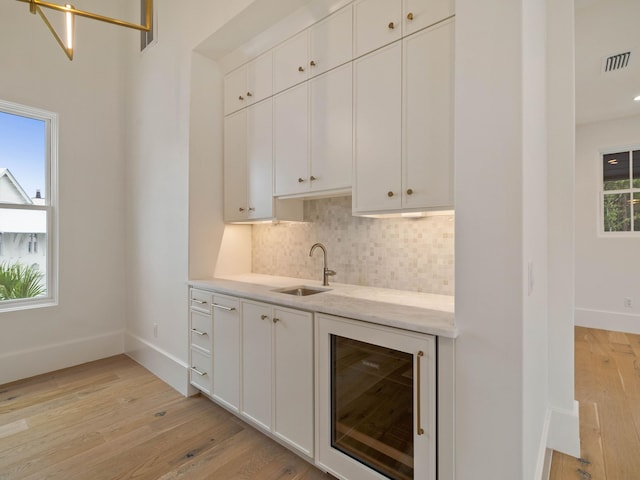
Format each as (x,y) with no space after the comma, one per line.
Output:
(326,273)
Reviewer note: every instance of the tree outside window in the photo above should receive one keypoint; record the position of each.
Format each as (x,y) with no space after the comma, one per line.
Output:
(621,191)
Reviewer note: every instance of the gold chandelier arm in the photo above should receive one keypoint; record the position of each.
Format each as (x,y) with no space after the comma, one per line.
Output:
(68,51)
(95,16)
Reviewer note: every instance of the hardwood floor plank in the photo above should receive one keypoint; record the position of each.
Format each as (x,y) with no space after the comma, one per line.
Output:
(112,419)
(607,385)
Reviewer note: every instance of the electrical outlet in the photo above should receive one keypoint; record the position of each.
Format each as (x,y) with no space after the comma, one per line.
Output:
(627,302)
(155,330)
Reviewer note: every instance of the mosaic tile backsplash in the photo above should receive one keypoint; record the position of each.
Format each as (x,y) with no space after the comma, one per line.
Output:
(415,254)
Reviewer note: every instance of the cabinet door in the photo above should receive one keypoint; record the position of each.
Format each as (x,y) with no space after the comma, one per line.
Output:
(378,139)
(235,167)
(226,351)
(260,159)
(331,101)
(235,90)
(256,363)
(290,62)
(377,23)
(291,141)
(293,386)
(428,118)
(260,78)
(419,14)
(330,42)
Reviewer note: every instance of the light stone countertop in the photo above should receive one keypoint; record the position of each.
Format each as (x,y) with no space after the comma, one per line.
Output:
(414,311)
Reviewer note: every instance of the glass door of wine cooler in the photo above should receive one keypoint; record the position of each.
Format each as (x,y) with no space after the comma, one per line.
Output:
(376,401)
(372,406)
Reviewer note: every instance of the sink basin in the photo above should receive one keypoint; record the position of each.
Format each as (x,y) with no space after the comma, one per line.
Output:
(301,290)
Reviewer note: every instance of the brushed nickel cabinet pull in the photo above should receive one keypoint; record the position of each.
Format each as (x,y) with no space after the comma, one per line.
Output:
(222,307)
(201,302)
(419,420)
(198,332)
(202,374)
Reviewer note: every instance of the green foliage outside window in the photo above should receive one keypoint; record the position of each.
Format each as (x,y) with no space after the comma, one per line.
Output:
(20,281)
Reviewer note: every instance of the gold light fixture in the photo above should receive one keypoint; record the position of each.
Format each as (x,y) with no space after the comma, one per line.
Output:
(36,6)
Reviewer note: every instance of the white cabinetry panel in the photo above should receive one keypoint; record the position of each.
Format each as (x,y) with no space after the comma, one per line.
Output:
(377,23)
(226,351)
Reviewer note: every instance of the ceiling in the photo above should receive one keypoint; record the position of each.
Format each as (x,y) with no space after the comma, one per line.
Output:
(605,28)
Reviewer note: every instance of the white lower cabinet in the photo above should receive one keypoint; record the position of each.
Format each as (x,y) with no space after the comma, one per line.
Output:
(226,351)
(200,334)
(277,372)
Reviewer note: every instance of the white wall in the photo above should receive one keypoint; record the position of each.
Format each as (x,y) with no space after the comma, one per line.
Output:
(89,321)
(606,270)
(505,354)
(159,142)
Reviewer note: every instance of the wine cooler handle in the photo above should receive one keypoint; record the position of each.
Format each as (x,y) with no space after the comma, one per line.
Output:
(420,429)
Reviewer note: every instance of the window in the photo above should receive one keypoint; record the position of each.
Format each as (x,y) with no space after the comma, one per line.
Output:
(621,191)
(28,159)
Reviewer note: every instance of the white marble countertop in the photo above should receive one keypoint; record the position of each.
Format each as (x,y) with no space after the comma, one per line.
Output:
(417,312)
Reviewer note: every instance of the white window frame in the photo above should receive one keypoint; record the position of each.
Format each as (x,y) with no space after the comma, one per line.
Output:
(601,191)
(50,207)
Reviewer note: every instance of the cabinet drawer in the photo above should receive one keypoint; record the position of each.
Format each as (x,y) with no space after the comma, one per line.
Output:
(200,371)
(200,332)
(200,300)
(225,304)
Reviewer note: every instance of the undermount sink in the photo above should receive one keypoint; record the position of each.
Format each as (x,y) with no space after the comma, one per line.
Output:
(302,290)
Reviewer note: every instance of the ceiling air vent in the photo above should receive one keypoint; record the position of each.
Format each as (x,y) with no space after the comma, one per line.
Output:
(616,62)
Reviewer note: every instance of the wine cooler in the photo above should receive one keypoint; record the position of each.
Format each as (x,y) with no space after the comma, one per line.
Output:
(376,399)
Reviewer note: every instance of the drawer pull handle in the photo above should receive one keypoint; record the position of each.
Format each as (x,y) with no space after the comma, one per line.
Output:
(198,332)
(202,374)
(222,307)
(201,302)
(420,429)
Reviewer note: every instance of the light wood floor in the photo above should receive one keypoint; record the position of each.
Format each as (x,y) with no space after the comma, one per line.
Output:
(112,419)
(607,377)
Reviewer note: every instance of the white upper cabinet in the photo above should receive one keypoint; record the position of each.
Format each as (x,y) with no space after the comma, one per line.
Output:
(404,124)
(321,47)
(248,84)
(377,23)
(380,22)
(330,42)
(260,160)
(418,14)
(290,62)
(427,164)
(378,133)
(291,141)
(235,167)
(313,135)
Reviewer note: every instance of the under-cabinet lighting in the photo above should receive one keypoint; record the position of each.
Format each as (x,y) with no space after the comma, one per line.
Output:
(637,99)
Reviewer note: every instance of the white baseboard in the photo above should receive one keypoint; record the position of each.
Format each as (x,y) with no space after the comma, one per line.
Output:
(564,431)
(35,361)
(618,322)
(163,365)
